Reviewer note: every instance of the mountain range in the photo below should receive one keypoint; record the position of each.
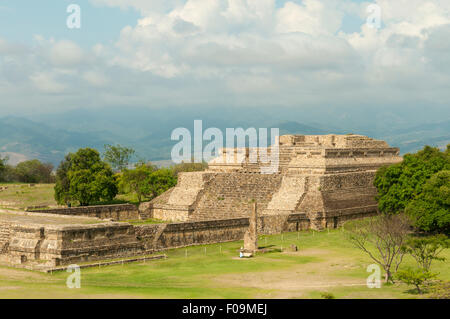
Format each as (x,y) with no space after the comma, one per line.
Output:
(48,137)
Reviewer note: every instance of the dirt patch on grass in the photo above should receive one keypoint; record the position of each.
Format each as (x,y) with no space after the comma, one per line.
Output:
(9,288)
(23,275)
(298,280)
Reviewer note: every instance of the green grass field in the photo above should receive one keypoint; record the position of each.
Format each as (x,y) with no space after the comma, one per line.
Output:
(21,196)
(325,262)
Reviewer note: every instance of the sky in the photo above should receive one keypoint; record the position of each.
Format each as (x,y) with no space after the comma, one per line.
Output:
(219,53)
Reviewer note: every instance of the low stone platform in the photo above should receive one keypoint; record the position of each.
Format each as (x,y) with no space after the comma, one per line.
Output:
(117,212)
(109,263)
(39,241)
(11,216)
(45,241)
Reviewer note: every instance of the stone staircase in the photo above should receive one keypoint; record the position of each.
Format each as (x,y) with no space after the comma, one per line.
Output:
(228,195)
(288,196)
(286,153)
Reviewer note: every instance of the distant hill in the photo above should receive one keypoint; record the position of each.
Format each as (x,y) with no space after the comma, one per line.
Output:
(30,139)
(49,137)
(292,127)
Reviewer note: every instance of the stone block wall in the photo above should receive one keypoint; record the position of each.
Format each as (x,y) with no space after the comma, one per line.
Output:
(230,195)
(207,196)
(37,246)
(325,176)
(41,246)
(119,212)
(164,236)
(5,235)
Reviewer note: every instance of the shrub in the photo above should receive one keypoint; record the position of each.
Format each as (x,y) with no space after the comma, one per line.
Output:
(416,277)
(327,295)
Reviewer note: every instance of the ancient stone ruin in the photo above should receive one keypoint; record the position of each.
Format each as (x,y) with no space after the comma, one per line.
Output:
(319,182)
(327,177)
(251,235)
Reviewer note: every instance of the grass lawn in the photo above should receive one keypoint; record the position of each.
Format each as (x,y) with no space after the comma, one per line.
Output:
(325,262)
(22,195)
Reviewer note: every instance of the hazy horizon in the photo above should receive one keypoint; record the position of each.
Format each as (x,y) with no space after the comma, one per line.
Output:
(136,69)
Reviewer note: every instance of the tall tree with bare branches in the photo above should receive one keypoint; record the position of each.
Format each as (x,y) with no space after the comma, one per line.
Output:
(382,238)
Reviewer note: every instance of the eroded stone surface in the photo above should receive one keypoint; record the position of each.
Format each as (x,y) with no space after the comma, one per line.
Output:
(321,181)
(327,177)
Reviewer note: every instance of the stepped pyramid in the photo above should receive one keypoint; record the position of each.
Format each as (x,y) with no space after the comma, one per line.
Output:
(327,177)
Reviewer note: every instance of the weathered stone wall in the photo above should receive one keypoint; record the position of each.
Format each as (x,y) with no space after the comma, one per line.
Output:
(205,196)
(38,246)
(115,212)
(324,176)
(5,235)
(163,236)
(230,195)
(41,246)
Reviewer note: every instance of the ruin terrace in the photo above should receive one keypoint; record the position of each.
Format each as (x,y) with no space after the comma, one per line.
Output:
(327,177)
(320,182)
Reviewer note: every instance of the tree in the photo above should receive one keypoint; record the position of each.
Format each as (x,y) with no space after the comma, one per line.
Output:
(386,234)
(426,249)
(147,181)
(400,183)
(161,180)
(415,277)
(33,171)
(85,178)
(137,180)
(117,156)
(431,208)
(3,162)
(62,185)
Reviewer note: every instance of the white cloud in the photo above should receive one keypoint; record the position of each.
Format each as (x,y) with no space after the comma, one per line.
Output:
(66,53)
(47,82)
(312,17)
(95,78)
(250,52)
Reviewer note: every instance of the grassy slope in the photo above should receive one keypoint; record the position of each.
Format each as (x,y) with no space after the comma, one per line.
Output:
(325,262)
(21,195)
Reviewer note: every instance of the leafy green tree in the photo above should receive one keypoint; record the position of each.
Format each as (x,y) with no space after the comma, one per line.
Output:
(118,156)
(426,249)
(398,184)
(147,181)
(3,162)
(161,180)
(415,277)
(62,185)
(137,180)
(85,178)
(431,208)
(33,171)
